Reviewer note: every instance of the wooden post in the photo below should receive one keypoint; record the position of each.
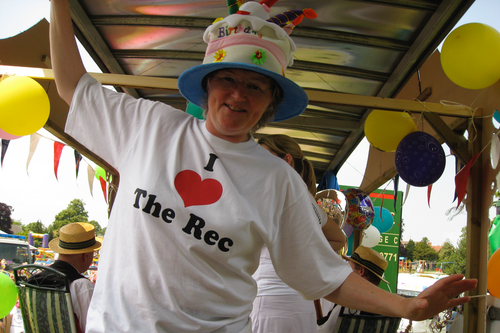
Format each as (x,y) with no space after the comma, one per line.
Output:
(477,235)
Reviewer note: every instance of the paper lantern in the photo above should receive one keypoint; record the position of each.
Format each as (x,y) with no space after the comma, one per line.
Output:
(385,129)
(493,274)
(385,223)
(360,210)
(371,237)
(8,294)
(24,105)
(419,159)
(469,56)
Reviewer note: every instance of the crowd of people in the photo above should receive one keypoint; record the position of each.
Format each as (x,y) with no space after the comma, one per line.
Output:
(201,205)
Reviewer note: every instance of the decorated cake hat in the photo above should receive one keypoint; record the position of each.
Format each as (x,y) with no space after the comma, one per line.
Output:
(250,39)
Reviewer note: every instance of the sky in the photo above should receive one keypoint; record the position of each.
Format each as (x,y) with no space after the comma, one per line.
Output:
(35,193)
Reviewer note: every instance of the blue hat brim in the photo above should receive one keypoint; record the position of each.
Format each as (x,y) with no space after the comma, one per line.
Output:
(294,101)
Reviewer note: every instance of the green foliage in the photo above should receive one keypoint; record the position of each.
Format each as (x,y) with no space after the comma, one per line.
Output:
(74,213)
(458,256)
(98,230)
(446,252)
(5,219)
(423,251)
(410,249)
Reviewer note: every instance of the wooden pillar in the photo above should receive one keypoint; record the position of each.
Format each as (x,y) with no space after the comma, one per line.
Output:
(477,234)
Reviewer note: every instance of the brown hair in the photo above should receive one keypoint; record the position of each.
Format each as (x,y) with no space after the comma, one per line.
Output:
(281,145)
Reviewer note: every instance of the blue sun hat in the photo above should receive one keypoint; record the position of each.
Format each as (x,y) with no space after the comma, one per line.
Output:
(249,39)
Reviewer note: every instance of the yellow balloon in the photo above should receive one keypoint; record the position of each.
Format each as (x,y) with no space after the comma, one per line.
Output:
(469,56)
(385,129)
(24,105)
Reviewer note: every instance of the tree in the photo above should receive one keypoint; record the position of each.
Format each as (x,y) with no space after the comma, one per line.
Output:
(98,230)
(410,249)
(459,255)
(5,219)
(423,251)
(446,252)
(75,212)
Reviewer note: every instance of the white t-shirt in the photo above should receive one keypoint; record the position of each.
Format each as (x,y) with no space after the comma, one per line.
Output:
(268,282)
(81,293)
(190,217)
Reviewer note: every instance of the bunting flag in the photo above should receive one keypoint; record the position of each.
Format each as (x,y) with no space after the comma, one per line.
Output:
(406,193)
(58,147)
(90,176)
(103,187)
(396,185)
(78,158)
(462,177)
(34,138)
(5,145)
(429,189)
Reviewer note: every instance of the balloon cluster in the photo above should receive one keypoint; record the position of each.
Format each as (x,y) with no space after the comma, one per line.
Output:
(24,107)
(469,56)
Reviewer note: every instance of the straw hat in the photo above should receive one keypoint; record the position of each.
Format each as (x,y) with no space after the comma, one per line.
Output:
(248,40)
(74,238)
(369,259)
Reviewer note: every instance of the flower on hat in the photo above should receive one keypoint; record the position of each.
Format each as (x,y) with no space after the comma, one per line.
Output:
(219,55)
(259,57)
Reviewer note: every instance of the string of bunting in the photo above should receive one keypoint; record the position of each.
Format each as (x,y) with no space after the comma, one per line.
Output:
(58,148)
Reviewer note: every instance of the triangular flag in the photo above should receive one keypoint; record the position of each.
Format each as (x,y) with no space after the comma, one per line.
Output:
(5,145)
(396,184)
(90,175)
(78,158)
(58,147)
(103,187)
(34,138)
(429,189)
(461,179)
(406,194)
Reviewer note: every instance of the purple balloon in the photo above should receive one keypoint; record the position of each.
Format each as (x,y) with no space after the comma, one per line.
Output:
(420,159)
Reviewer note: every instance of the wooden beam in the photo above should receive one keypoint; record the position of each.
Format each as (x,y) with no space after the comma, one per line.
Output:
(478,225)
(151,82)
(457,143)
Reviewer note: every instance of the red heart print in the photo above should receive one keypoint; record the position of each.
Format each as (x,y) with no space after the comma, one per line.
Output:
(197,192)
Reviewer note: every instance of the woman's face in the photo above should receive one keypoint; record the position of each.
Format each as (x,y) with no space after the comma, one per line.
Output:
(237,99)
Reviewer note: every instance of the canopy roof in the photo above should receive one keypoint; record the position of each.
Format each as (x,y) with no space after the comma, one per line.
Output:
(358,48)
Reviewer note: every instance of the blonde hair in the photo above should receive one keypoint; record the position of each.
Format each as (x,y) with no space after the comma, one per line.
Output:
(281,145)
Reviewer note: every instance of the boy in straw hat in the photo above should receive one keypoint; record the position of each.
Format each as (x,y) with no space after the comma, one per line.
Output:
(199,198)
(365,262)
(75,247)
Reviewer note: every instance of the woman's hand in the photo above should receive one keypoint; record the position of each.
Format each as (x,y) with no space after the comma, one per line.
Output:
(439,297)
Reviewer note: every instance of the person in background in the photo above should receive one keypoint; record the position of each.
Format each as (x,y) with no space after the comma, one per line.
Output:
(75,247)
(365,262)
(279,308)
(198,199)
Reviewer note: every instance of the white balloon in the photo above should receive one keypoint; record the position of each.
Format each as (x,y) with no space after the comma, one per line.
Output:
(371,236)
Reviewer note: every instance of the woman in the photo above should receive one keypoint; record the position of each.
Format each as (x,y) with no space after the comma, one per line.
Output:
(198,199)
(277,307)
